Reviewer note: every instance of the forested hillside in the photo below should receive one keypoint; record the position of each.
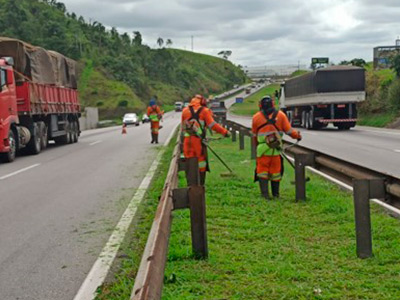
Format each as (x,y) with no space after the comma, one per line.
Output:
(116,71)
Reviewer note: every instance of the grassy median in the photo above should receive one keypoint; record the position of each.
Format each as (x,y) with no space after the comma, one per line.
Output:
(279,249)
(250,105)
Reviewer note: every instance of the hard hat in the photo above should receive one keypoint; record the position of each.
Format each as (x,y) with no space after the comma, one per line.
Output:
(266,103)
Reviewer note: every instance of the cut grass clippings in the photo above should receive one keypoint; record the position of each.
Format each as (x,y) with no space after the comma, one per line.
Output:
(279,249)
(250,105)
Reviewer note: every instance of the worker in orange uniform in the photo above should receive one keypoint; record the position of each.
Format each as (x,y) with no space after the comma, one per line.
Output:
(195,120)
(268,127)
(155,115)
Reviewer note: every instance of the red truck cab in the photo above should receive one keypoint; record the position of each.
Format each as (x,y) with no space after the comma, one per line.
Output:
(8,107)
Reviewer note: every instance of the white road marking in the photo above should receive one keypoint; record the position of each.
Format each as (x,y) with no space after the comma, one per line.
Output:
(103,263)
(95,143)
(308,132)
(398,151)
(19,171)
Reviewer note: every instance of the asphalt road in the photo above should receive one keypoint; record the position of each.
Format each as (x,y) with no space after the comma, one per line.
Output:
(375,148)
(57,209)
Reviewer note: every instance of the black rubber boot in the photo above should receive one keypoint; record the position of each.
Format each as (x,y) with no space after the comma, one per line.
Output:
(275,188)
(152,138)
(202,178)
(264,188)
(156,138)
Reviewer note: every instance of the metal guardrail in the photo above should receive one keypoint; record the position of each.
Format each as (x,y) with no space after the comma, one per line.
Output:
(150,276)
(367,184)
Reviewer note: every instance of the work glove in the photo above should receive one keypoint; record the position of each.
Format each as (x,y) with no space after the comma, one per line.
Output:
(299,137)
(227,134)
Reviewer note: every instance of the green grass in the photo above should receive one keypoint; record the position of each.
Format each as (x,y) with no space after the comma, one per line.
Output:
(120,284)
(250,105)
(299,73)
(377,120)
(279,249)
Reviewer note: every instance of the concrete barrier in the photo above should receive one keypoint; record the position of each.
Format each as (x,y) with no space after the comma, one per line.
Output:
(89,119)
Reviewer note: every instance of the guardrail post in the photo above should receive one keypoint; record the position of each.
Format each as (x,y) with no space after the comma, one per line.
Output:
(363,191)
(233,134)
(301,161)
(253,148)
(241,139)
(197,205)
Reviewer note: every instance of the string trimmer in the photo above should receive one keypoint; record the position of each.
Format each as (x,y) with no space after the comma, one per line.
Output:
(231,173)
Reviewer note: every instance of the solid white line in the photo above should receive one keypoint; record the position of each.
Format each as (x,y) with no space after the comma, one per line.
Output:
(398,151)
(95,143)
(103,263)
(19,171)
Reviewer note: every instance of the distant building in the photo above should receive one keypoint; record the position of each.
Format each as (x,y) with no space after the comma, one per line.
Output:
(382,55)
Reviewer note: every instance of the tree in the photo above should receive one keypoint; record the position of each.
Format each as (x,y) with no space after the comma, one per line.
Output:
(225,54)
(137,38)
(160,42)
(169,43)
(395,64)
(344,63)
(358,62)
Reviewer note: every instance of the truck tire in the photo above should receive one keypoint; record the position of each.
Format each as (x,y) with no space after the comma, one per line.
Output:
(34,145)
(303,119)
(66,138)
(10,156)
(44,135)
(75,133)
(344,126)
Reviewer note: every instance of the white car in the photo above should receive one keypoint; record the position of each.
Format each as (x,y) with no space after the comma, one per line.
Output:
(131,118)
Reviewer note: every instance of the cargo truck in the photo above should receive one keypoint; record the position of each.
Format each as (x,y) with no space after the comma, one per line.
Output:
(38,99)
(325,96)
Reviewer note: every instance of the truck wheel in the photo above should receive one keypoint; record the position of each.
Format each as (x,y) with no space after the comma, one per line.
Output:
(34,145)
(343,126)
(307,120)
(10,156)
(76,131)
(311,121)
(44,136)
(303,119)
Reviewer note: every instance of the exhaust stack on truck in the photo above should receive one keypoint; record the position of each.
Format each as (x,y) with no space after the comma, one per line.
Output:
(324,96)
(38,99)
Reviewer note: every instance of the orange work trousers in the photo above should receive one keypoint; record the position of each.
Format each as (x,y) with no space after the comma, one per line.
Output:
(269,167)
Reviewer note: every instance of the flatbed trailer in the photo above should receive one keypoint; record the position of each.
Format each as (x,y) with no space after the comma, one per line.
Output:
(324,96)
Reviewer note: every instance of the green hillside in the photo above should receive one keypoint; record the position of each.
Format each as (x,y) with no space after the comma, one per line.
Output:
(117,72)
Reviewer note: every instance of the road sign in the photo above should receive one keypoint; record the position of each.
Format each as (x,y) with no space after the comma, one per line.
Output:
(320,60)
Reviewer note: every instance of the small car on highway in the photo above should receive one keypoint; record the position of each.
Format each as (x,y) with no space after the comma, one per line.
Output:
(178,106)
(131,119)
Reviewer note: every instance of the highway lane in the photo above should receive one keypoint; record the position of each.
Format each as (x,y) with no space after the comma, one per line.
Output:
(375,148)
(57,209)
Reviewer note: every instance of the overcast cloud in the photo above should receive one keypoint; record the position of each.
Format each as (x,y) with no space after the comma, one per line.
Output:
(259,32)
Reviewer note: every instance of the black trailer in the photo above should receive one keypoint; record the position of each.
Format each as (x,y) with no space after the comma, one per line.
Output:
(324,96)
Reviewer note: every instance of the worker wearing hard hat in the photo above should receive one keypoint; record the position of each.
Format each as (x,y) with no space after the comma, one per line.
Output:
(195,120)
(155,114)
(268,127)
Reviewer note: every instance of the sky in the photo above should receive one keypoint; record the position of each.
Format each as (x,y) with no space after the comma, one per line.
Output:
(258,32)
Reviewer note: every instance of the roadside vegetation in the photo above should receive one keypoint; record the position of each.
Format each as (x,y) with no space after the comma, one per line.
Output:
(382,106)
(250,104)
(117,71)
(279,249)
